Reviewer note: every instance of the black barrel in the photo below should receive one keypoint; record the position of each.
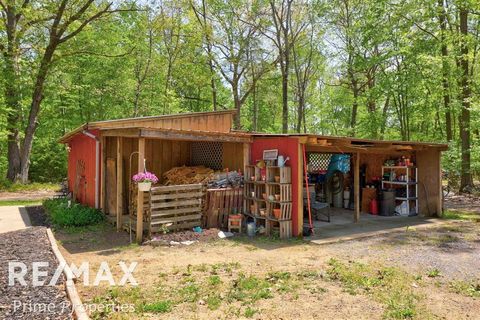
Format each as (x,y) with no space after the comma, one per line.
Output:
(387,203)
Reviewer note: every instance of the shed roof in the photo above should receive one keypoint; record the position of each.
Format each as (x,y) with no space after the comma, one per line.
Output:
(213,121)
(357,143)
(217,126)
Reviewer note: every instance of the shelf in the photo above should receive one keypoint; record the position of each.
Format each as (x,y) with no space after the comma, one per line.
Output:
(402,183)
(255,182)
(399,167)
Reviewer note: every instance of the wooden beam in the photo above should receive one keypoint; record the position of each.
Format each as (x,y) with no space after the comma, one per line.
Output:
(141,168)
(103,172)
(119,203)
(185,136)
(364,150)
(440,189)
(356,184)
(123,132)
(300,191)
(246,155)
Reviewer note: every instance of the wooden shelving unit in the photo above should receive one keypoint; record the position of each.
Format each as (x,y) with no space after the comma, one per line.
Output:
(411,174)
(268,192)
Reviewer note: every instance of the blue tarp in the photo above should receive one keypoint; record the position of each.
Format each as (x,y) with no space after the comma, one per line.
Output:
(338,162)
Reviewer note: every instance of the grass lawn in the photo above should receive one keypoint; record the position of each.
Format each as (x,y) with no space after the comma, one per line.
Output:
(20,202)
(18,187)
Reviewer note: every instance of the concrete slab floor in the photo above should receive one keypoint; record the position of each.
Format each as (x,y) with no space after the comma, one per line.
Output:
(13,218)
(342,227)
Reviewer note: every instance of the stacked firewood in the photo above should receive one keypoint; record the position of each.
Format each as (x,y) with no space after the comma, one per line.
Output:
(188,175)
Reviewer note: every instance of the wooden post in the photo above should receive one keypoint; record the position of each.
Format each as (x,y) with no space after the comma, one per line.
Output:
(356,184)
(246,155)
(246,162)
(141,167)
(440,189)
(119,203)
(300,190)
(103,172)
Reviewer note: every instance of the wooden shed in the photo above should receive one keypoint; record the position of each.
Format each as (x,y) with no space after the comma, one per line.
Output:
(103,156)
(370,155)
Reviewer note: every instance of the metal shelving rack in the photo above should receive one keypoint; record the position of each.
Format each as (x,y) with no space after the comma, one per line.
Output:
(410,182)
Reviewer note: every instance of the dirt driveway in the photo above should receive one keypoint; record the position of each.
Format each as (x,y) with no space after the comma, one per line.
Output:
(414,273)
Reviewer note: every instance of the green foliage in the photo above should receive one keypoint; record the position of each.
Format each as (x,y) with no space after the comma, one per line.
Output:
(155,60)
(76,215)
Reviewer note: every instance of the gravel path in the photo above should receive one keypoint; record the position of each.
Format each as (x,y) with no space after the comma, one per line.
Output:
(30,302)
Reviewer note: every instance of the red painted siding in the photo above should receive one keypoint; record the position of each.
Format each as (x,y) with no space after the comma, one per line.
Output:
(82,147)
(288,147)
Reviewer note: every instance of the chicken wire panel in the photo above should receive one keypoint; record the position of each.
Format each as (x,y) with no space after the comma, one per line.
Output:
(208,154)
(319,161)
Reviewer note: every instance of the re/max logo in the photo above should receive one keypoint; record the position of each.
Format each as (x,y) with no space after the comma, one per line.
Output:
(17,272)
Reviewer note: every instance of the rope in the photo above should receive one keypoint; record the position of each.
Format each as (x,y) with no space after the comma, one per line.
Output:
(308,192)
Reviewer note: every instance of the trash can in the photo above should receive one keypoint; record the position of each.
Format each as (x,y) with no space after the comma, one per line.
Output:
(387,203)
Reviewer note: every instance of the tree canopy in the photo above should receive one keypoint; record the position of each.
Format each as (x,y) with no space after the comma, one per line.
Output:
(377,69)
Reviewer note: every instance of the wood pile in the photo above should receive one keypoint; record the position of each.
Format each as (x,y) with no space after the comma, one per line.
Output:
(188,175)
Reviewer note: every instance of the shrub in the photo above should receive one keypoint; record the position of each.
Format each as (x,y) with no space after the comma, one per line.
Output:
(76,215)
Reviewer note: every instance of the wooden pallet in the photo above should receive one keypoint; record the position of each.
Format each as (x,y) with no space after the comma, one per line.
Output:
(220,203)
(176,207)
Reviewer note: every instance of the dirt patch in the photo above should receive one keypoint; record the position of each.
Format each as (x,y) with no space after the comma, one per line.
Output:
(463,202)
(28,246)
(175,282)
(182,236)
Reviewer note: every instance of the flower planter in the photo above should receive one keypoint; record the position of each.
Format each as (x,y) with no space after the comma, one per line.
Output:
(144,186)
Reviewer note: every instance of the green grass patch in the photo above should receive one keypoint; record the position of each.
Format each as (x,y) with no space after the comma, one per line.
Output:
(74,215)
(6,186)
(433,273)
(466,288)
(460,215)
(158,307)
(389,286)
(250,312)
(4,203)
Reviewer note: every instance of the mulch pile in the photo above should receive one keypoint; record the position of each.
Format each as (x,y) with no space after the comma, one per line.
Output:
(180,236)
(33,302)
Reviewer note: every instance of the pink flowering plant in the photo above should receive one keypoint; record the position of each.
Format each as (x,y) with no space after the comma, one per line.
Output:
(145,177)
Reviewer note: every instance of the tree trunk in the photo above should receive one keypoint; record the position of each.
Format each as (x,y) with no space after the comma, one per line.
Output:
(12,95)
(300,111)
(384,118)
(445,85)
(285,97)
(37,98)
(255,108)
(237,104)
(355,91)
(13,117)
(466,181)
